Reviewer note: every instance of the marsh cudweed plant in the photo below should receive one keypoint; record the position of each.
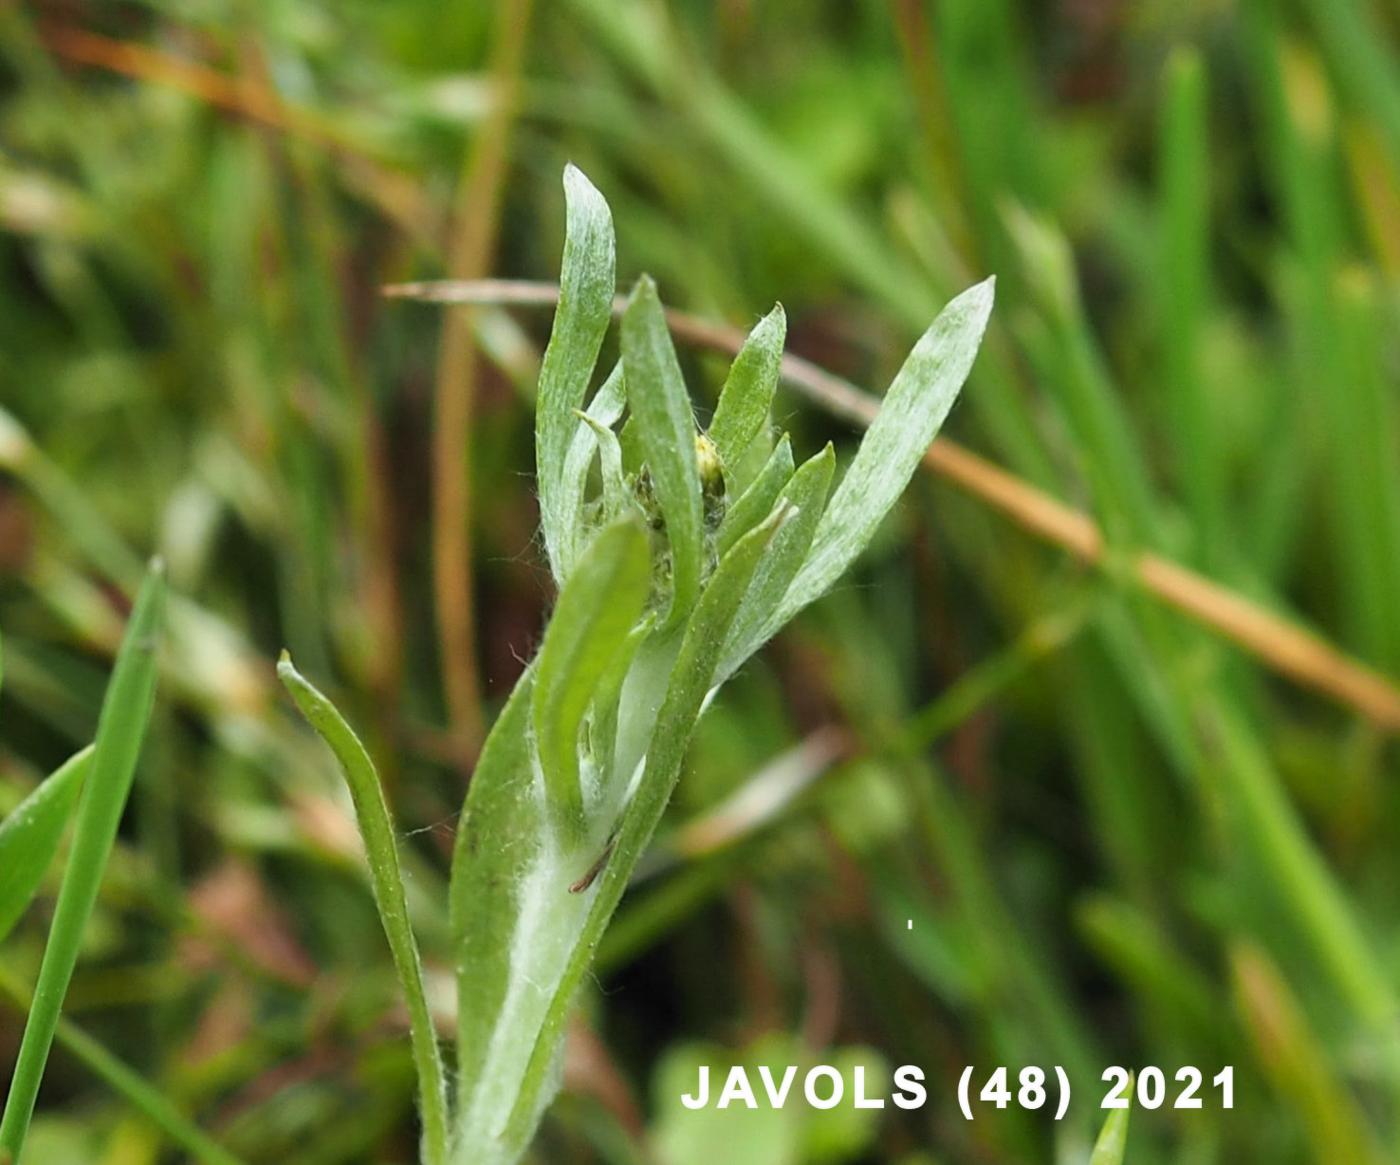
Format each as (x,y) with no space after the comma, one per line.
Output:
(677,554)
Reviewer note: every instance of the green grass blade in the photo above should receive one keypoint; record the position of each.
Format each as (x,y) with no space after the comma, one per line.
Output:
(748,390)
(1297,1063)
(1365,479)
(135,1089)
(666,428)
(1184,169)
(911,414)
(386,881)
(1322,914)
(985,681)
(756,502)
(1112,1144)
(1161,979)
(1070,361)
(1361,53)
(586,285)
(121,729)
(30,835)
(597,609)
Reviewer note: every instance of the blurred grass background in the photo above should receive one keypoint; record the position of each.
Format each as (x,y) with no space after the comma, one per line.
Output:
(1119,838)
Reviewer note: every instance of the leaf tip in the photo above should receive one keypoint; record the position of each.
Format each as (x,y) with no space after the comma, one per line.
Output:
(579,189)
(969,311)
(576,181)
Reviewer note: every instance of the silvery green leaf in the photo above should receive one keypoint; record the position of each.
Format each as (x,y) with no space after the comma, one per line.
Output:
(597,609)
(666,431)
(30,834)
(503,856)
(805,493)
(691,679)
(521,905)
(911,414)
(586,286)
(756,502)
(748,390)
(605,408)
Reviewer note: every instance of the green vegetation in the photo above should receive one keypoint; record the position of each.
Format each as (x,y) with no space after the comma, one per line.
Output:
(106,773)
(575,777)
(1088,761)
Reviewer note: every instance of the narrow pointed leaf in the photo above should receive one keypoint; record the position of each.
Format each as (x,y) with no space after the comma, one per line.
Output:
(29,836)
(756,502)
(1112,1143)
(597,609)
(666,430)
(747,396)
(121,730)
(911,414)
(386,882)
(586,285)
(758,617)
